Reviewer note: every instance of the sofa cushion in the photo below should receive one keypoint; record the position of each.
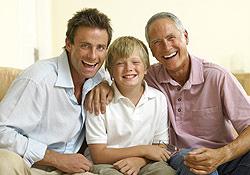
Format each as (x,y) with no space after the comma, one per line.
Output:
(7,75)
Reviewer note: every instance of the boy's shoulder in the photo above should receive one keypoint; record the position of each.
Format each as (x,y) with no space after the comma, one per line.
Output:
(153,92)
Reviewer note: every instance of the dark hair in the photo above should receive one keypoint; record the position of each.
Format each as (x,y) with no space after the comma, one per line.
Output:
(88,17)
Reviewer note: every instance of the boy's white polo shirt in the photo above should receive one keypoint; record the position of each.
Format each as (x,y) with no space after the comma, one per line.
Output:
(125,124)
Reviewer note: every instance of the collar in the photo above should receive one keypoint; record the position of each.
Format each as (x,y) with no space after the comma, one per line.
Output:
(147,94)
(64,78)
(196,73)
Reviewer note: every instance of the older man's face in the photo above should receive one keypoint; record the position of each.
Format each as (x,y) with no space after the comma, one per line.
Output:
(168,44)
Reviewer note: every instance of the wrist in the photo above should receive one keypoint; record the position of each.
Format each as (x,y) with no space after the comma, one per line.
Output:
(227,154)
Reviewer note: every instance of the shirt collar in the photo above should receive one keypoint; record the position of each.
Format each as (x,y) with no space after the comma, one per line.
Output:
(64,78)
(147,94)
(196,73)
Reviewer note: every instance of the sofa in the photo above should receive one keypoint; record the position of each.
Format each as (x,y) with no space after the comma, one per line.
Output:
(7,75)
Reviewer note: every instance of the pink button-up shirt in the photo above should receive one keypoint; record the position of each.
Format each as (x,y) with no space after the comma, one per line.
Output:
(202,112)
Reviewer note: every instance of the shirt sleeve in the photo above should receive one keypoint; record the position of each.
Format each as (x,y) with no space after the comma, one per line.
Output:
(236,103)
(95,129)
(20,113)
(161,133)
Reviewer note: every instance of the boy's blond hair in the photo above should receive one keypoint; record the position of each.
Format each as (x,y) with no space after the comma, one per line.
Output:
(123,47)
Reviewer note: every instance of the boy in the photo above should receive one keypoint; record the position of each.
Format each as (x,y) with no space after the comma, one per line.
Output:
(136,116)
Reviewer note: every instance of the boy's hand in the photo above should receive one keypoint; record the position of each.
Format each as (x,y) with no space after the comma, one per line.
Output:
(97,99)
(131,165)
(156,153)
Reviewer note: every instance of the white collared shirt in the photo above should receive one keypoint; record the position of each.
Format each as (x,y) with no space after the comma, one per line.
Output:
(40,111)
(125,125)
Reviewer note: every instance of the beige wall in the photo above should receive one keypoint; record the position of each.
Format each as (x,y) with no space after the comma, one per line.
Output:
(218,30)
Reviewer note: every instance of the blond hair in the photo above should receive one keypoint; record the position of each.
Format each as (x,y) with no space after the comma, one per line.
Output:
(123,47)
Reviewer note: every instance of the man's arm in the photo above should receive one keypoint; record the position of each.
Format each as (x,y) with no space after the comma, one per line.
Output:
(97,99)
(69,163)
(205,160)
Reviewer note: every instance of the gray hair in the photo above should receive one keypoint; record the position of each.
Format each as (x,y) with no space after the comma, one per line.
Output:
(163,15)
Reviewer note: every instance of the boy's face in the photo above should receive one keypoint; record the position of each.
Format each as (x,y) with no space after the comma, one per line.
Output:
(128,72)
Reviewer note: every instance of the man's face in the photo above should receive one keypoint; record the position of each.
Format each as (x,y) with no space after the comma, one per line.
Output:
(168,44)
(87,53)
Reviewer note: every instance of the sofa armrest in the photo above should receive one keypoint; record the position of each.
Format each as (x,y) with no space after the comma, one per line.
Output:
(7,75)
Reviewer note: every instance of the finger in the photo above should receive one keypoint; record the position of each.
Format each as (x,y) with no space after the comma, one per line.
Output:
(198,166)
(85,167)
(135,173)
(88,102)
(200,172)
(124,169)
(97,101)
(86,162)
(197,151)
(103,101)
(110,96)
(167,154)
(130,172)
(196,157)
(82,171)
(120,164)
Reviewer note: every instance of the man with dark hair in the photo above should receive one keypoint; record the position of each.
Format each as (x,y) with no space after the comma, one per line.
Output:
(42,116)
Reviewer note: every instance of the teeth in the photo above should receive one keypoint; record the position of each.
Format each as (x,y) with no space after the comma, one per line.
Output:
(89,64)
(168,56)
(129,76)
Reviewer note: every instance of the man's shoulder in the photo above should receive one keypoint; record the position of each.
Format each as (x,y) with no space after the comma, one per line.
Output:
(210,67)
(155,67)
(40,70)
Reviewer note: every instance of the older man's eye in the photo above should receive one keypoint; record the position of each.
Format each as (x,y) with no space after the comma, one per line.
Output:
(85,46)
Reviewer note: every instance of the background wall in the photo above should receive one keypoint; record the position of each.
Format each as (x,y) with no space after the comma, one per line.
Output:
(218,30)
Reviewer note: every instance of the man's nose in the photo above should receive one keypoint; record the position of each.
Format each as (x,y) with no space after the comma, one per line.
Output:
(92,53)
(165,43)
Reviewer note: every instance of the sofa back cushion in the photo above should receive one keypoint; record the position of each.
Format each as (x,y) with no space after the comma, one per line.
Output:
(7,75)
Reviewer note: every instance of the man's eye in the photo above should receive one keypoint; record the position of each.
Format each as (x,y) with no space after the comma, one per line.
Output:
(101,48)
(156,42)
(84,46)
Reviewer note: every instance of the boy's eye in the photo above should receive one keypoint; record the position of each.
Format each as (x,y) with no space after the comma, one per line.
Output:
(119,63)
(136,62)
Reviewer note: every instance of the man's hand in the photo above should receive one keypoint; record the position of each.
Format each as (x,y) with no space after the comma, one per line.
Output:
(130,166)
(73,163)
(97,99)
(204,160)
(68,163)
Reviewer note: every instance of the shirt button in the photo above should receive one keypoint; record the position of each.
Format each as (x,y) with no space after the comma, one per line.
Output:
(179,99)
(179,110)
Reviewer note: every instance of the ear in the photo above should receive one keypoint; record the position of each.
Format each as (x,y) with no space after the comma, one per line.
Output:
(68,44)
(186,37)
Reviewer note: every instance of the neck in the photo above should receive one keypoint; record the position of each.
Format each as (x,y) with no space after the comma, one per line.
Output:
(133,94)
(181,74)
(78,82)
